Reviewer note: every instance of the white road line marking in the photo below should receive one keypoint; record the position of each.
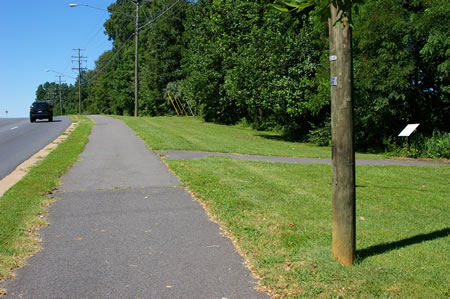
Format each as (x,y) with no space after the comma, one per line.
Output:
(14,128)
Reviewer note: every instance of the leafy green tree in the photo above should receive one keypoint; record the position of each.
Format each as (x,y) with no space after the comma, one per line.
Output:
(235,59)
(40,92)
(245,60)
(205,61)
(401,65)
(49,92)
(161,58)
(121,29)
(100,88)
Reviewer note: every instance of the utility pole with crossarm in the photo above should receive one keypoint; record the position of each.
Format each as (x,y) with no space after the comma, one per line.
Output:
(60,97)
(80,60)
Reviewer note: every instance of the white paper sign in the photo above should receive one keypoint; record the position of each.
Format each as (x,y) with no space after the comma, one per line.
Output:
(408,130)
(333,81)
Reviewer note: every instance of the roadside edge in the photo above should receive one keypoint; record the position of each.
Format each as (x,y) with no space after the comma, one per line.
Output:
(16,175)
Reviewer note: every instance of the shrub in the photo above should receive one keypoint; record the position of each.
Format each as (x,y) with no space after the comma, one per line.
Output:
(320,135)
(437,146)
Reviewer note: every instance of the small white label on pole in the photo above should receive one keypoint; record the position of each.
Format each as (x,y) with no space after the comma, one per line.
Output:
(333,81)
(408,130)
(333,57)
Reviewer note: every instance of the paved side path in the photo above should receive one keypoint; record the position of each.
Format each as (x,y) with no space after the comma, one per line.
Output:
(187,155)
(123,228)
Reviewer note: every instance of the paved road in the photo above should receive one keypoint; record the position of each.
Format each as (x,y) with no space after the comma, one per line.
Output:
(123,228)
(20,139)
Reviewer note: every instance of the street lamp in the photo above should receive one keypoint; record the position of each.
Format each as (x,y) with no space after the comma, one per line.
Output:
(94,7)
(135,51)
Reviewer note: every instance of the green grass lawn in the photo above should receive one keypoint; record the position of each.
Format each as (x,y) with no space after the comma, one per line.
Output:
(23,204)
(175,133)
(280,216)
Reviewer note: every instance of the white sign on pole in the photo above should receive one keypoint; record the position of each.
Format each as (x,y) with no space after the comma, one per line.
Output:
(408,130)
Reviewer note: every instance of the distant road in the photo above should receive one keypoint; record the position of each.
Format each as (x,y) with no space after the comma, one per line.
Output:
(20,139)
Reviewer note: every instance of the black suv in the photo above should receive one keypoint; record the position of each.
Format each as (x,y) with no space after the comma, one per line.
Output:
(40,110)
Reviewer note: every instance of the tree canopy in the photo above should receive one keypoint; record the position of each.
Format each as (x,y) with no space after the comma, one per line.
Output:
(235,60)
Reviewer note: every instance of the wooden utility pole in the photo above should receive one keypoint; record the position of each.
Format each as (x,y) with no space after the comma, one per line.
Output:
(136,82)
(60,96)
(343,156)
(79,59)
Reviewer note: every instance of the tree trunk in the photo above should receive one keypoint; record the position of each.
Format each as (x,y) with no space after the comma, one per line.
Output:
(343,156)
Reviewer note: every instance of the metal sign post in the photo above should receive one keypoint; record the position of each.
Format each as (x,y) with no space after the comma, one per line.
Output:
(407,131)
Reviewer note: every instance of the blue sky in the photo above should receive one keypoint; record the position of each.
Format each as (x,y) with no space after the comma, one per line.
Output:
(37,35)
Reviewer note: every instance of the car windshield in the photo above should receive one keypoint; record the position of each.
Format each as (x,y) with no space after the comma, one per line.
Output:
(40,105)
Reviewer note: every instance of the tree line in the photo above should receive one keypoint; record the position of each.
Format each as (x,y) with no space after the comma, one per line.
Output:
(243,61)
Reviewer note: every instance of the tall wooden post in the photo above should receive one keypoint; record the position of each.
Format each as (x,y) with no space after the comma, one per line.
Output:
(136,78)
(343,157)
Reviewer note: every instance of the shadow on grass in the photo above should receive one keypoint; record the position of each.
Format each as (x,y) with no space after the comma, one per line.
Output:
(287,138)
(273,137)
(284,138)
(386,247)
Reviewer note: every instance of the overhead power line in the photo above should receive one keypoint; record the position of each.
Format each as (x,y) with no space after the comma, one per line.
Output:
(173,12)
(133,34)
(60,96)
(110,60)
(80,60)
(154,19)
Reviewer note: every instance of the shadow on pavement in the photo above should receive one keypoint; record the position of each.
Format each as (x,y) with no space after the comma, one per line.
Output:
(46,121)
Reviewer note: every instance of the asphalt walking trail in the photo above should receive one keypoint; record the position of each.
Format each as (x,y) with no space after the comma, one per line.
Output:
(189,155)
(124,228)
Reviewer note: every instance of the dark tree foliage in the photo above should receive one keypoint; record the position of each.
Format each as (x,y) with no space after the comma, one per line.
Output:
(122,23)
(160,48)
(235,59)
(161,58)
(401,63)
(203,64)
(100,85)
(247,60)
(49,92)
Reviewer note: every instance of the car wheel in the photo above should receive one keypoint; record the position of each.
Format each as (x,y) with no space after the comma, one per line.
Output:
(32,120)
(50,119)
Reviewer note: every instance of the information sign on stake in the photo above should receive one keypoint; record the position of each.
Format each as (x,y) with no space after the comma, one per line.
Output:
(408,131)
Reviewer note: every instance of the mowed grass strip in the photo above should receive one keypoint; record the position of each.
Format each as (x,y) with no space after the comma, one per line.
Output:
(280,217)
(176,133)
(23,204)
